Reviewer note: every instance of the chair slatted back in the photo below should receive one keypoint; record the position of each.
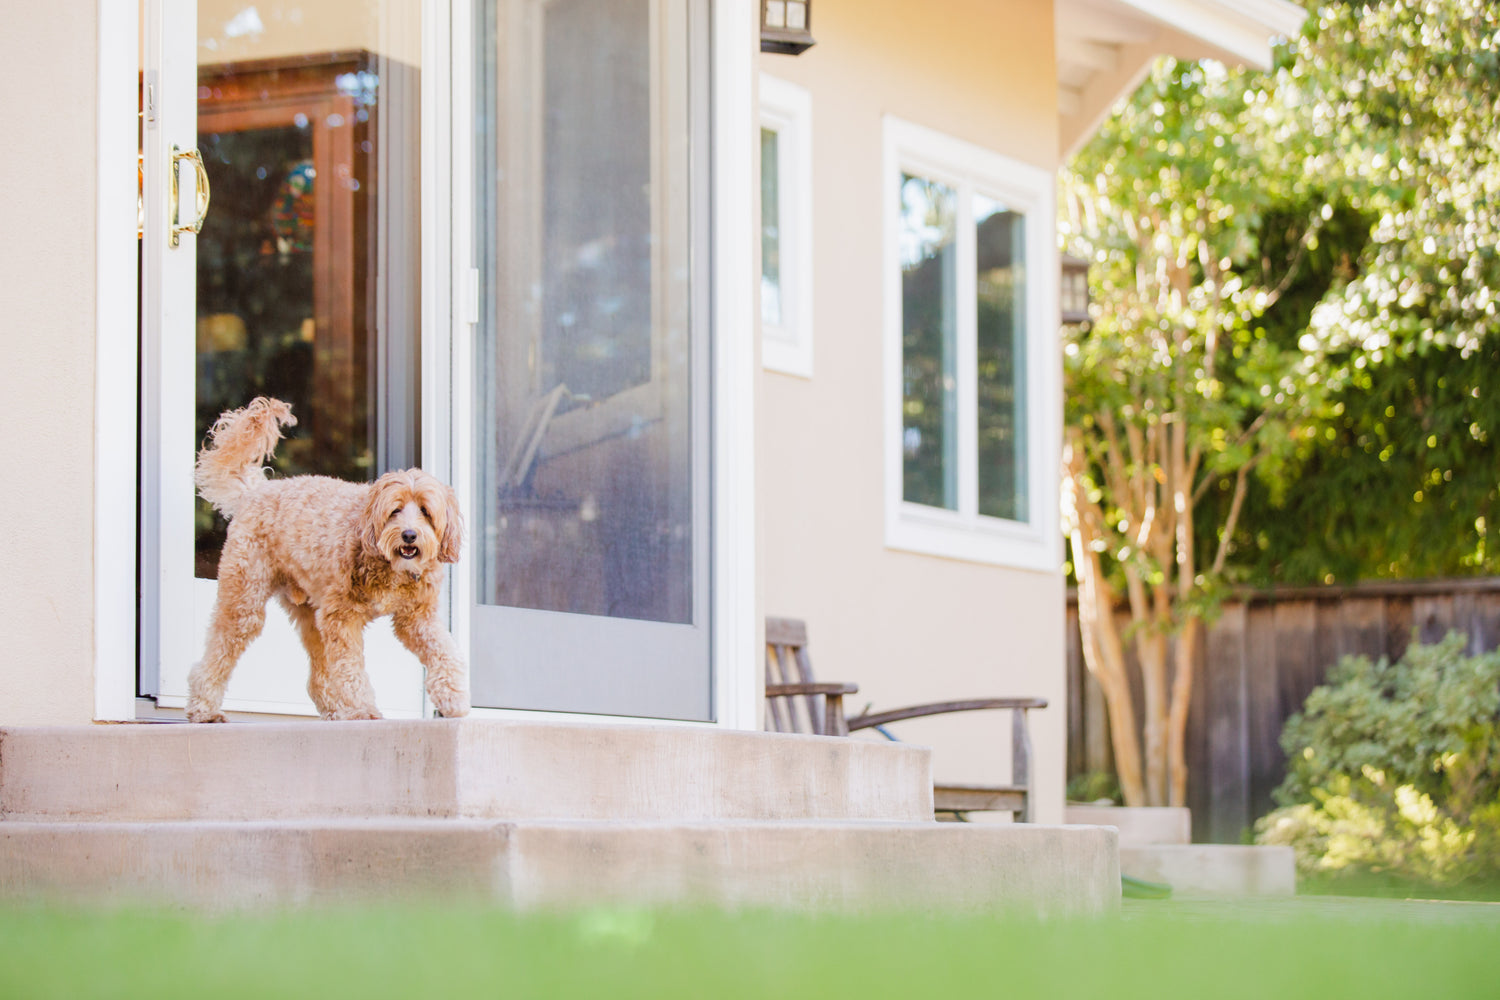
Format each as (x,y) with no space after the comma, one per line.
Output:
(787,663)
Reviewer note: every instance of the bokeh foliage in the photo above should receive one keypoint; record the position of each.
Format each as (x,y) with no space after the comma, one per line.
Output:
(1354,193)
(1388,114)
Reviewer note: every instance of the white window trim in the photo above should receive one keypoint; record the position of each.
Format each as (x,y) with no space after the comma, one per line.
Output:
(786,108)
(965,533)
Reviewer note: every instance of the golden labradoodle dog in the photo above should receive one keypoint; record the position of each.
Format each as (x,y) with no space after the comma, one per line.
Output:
(337,555)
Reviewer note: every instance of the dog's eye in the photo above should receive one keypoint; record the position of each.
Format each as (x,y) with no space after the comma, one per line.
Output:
(394,513)
(425,514)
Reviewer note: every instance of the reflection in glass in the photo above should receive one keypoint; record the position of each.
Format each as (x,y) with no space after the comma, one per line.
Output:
(770,227)
(929,348)
(312,150)
(585,497)
(1001,332)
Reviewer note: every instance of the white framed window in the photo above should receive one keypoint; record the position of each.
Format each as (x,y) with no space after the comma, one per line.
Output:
(972,409)
(785,227)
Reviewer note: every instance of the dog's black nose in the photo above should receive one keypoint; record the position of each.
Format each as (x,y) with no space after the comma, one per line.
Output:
(408,536)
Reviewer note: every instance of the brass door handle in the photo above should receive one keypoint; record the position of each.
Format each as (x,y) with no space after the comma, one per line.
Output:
(200,195)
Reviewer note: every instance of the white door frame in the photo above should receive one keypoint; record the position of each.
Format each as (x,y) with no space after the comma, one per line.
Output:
(115,358)
(447,338)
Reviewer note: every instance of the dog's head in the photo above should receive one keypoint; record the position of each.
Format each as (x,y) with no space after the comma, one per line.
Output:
(412,519)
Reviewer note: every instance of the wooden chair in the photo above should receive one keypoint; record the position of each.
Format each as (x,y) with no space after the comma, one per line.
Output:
(797,702)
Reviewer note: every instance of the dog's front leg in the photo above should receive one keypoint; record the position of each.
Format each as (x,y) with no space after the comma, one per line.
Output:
(447,677)
(343,691)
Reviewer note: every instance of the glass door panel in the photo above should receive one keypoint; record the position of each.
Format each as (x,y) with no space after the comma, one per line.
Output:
(302,284)
(591,527)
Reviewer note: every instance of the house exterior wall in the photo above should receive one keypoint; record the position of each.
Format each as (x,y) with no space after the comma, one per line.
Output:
(907,628)
(48,62)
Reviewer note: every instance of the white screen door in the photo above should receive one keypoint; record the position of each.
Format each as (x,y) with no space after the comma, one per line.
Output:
(303,283)
(591,532)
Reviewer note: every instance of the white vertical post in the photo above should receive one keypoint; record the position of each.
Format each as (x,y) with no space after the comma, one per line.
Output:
(735,128)
(115,365)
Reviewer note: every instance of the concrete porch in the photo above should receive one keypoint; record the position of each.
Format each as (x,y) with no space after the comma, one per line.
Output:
(519,813)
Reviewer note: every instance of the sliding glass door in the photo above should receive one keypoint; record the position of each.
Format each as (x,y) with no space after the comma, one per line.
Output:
(591,358)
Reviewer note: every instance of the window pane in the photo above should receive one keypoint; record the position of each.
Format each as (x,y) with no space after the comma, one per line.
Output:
(586,484)
(929,351)
(1002,360)
(310,139)
(770,227)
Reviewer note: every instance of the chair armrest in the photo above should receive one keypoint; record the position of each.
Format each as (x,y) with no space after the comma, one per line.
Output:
(783,690)
(1020,785)
(869,719)
(832,723)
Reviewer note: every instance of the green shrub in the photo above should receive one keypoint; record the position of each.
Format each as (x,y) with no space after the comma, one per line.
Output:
(1393,771)
(1093,787)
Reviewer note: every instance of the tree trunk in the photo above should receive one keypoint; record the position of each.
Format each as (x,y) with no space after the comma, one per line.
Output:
(1182,699)
(1103,651)
(1104,655)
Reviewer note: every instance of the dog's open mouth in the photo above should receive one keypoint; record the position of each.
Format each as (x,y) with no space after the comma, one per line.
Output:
(408,551)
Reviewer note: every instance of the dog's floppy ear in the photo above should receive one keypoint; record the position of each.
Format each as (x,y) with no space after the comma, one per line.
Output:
(453,527)
(375,516)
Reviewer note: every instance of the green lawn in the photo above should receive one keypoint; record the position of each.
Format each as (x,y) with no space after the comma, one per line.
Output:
(1309,947)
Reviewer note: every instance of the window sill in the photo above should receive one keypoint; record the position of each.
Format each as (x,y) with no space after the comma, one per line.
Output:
(988,540)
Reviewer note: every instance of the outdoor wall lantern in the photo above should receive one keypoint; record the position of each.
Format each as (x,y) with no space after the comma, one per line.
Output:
(786,26)
(1073,290)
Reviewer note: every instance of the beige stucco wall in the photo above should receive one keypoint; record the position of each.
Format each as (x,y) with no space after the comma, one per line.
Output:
(48,60)
(907,628)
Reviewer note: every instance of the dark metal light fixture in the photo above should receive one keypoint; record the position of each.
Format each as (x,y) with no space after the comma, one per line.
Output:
(786,26)
(1073,290)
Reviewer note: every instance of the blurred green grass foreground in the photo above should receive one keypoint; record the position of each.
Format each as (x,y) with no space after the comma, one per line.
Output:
(1303,947)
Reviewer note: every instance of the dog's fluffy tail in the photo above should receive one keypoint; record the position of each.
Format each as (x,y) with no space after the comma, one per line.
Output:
(241,440)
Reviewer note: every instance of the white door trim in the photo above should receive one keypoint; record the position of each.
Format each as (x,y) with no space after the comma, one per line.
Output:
(115,458)
(736,134)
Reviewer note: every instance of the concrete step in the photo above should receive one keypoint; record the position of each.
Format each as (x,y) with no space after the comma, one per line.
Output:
(1213,869)
(826,865)
(1138,825)
(468,768)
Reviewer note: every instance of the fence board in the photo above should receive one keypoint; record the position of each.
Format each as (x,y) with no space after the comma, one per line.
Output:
(1263,706)
(1432,614)
(1465,607)
(1398,625)
(1228,744)
(1294,624)
(1364,627)
(1258,663)
(1486,631)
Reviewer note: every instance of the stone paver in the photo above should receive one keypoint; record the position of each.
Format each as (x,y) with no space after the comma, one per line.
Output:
(1312,907)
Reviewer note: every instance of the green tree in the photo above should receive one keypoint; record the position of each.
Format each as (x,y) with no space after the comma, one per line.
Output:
(1295,339)
(1176,387)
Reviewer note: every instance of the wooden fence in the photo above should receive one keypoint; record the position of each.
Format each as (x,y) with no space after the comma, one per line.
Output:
(1257,664)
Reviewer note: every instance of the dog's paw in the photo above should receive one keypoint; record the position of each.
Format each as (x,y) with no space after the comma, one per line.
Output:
(357,713)
(205,715)
(449,704)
